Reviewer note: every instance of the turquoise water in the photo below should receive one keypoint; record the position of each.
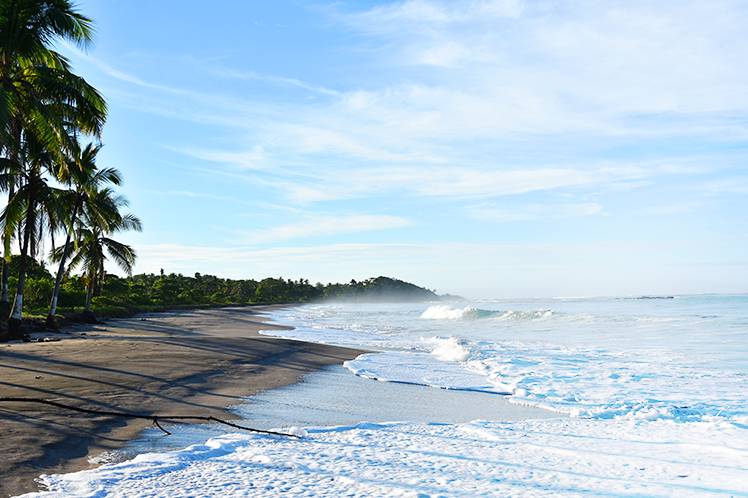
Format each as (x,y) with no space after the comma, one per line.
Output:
(683,358)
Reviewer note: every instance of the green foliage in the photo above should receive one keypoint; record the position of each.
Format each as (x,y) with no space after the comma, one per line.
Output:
(34,269)
(122,295)
(378,289)
(72,293)
(37,292)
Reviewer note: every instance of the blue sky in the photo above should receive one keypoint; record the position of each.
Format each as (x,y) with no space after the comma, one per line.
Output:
(488,148)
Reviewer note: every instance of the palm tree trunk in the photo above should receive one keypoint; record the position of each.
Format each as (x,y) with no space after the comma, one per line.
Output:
(100,279)
(4,301)
(88,314)
(89,293)
(16,316)
(14,326)
(5,278)
(58,282)
(60,272)
(13,155)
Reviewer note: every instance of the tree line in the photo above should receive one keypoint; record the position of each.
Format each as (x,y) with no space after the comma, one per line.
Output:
(124,295)
(52,120)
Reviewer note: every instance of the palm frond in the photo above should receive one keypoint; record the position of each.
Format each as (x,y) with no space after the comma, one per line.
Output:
(130,222)
(122,254)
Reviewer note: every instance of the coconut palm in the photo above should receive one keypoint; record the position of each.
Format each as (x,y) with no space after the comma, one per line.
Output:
(93,244)
(28,29)
(8,178)
(42,101)
(35,208)
(86,181)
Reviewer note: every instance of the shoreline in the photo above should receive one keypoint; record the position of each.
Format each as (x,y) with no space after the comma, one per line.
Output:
(196,362)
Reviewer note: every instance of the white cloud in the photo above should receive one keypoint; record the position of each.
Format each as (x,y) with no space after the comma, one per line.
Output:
(534,211)
(579,62)
(326,225)
(251,159)
(587,71)
(200,195)
(677,208)
(279,80)
(441,105)
(736,185)
(428,13)
(543,68)
(464,182)
(118,74)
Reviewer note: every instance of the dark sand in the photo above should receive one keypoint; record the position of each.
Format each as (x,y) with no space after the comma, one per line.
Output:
(192,362)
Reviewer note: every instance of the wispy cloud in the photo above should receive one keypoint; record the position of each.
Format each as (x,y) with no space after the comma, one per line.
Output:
(431,13)
(325,225)
(546,66)
(489,212)
(278,80)
(118,74)
(521,79)
(735,185)
(673,209)
(199,195)
(252,159)
(465,182)
(485,110)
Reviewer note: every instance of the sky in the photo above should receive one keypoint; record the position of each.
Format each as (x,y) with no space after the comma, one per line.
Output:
(485,148)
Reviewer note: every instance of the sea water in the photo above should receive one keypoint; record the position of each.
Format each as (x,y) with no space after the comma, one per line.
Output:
(680,358)
(334,397)
(646,396)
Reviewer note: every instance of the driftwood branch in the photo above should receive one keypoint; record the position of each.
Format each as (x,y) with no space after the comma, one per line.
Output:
(154,418)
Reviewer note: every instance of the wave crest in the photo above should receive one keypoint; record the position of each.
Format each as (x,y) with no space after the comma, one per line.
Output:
(446,312)
(450,349)
(525,315)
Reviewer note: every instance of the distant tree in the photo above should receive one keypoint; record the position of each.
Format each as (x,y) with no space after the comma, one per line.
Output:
(271,290)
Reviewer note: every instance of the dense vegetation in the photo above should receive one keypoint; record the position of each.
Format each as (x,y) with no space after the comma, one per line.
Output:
(122,295)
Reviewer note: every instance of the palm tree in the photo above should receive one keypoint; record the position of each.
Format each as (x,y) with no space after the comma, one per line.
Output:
(10,173)
(94,245)
(40,100)
(86,180)
(35,208)
(30,68)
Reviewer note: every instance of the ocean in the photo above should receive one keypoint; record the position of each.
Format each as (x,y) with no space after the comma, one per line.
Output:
(644,396)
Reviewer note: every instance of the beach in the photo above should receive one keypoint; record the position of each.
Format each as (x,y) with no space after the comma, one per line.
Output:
(190,362)
(523,397)
(393,248)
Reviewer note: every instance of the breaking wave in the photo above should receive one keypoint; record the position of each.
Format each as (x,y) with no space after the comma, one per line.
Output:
(446,312)
(450,349)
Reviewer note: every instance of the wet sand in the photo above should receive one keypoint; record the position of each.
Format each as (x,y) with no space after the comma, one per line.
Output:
(190,362)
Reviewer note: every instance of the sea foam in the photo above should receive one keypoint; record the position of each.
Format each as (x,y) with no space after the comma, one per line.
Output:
(450,349)
(446,312)
(600,358)
(656,391)
(553,457)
